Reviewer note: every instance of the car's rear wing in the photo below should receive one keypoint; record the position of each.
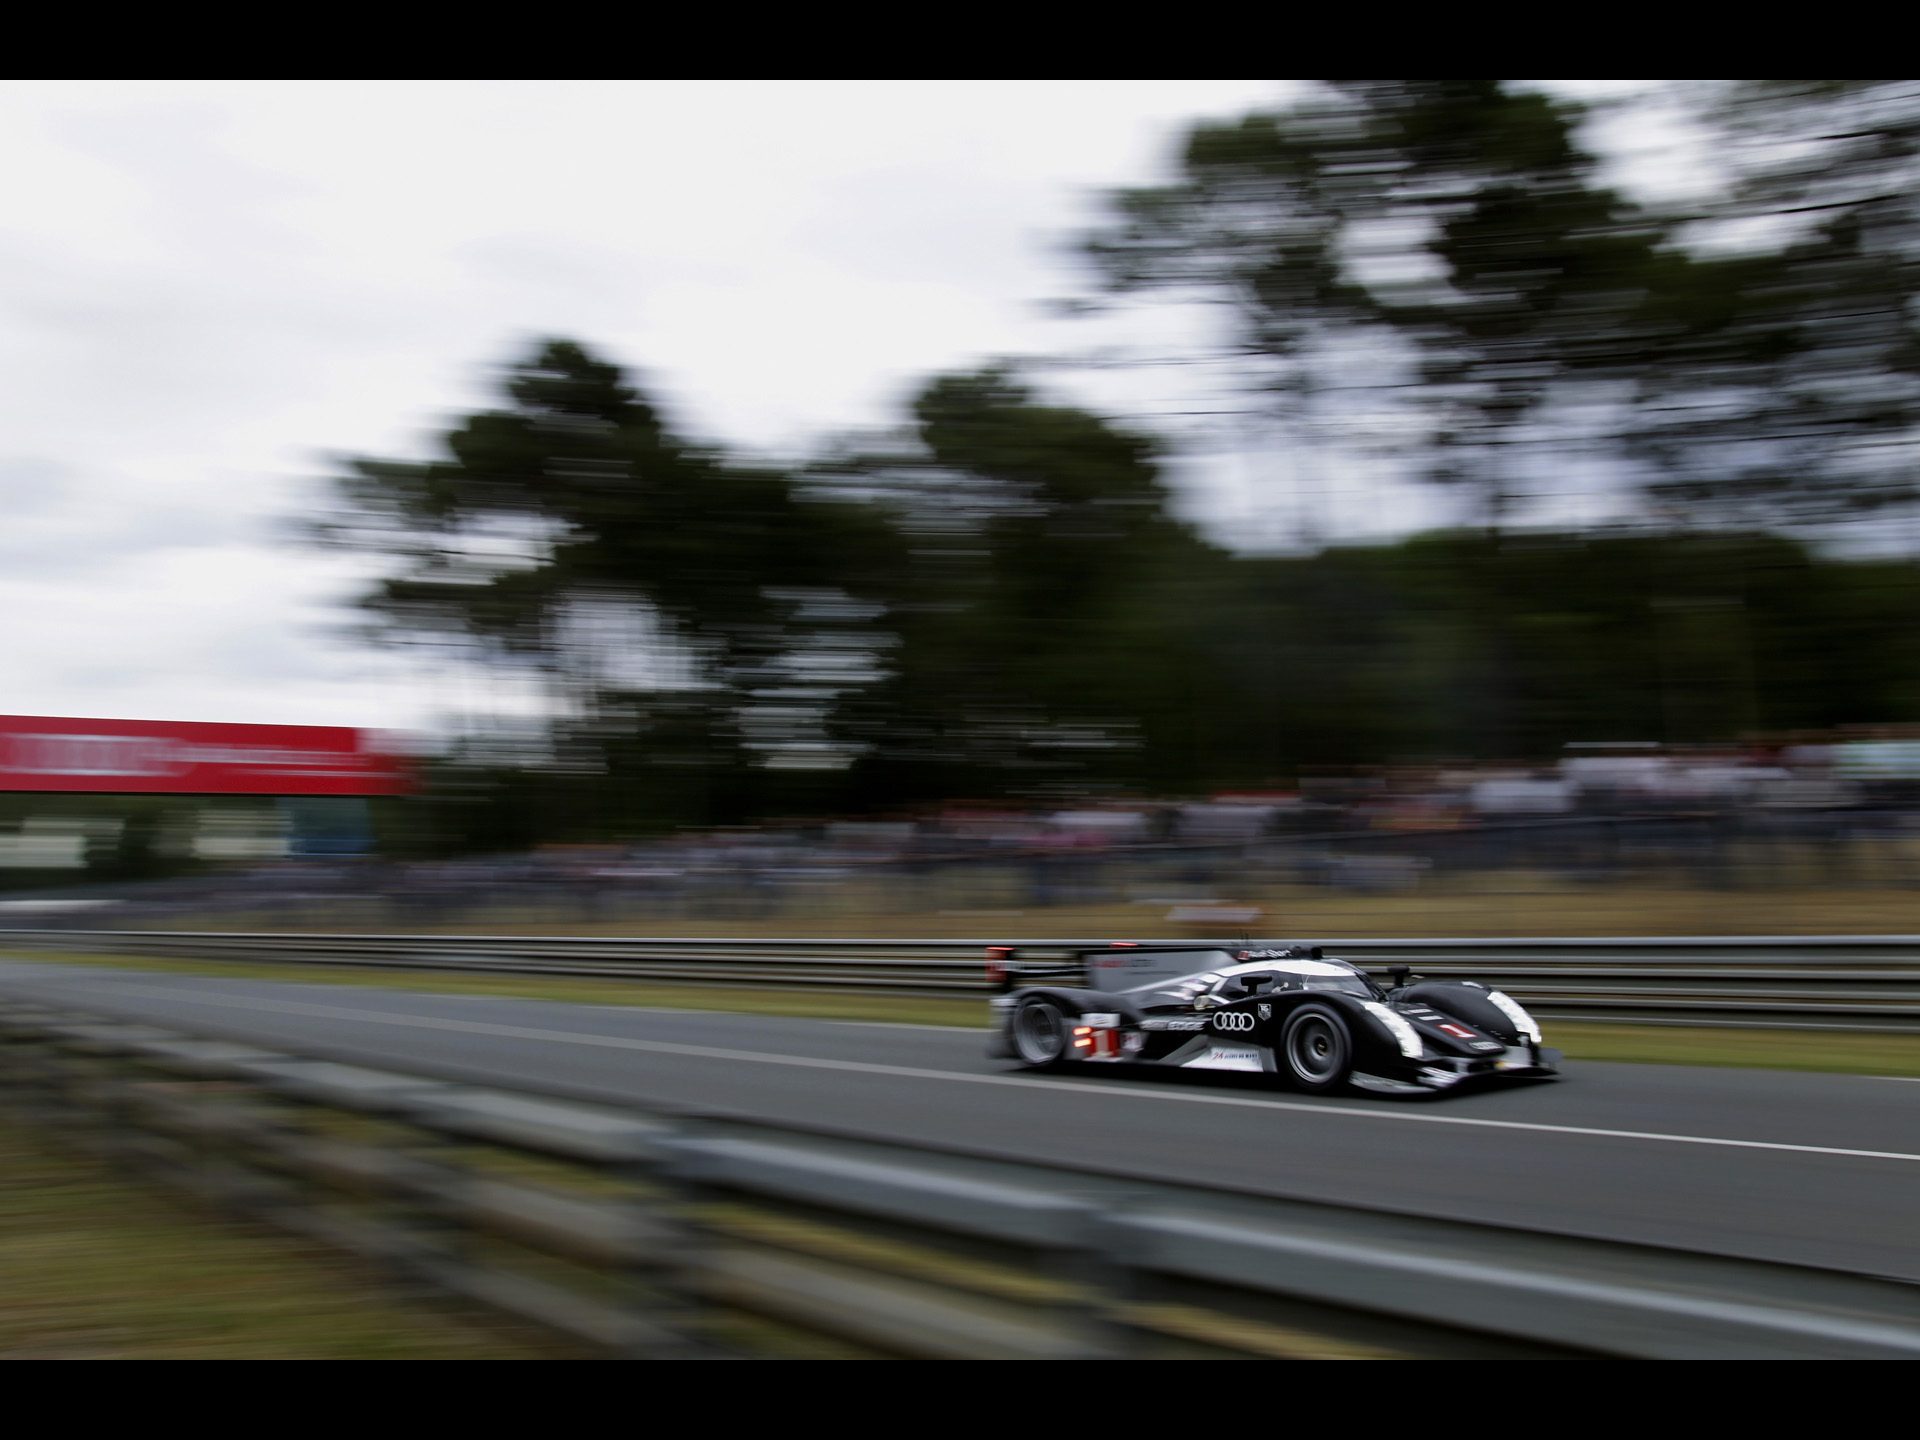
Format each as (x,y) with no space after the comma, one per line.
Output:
(1011,966)
(1122,965)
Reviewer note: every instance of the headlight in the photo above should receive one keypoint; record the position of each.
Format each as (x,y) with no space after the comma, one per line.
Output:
(1522,1021)
(1397,1026)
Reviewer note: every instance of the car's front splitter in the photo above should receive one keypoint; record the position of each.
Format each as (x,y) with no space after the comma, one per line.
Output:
(1430,1073)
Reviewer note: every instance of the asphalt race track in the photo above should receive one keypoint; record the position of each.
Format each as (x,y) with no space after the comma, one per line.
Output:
(1813,1169)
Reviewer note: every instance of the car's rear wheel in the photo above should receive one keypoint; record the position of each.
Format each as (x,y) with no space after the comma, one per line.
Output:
(1318,1050)
(1040,1034)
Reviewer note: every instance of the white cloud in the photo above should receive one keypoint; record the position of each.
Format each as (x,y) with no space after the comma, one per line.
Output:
(205,289)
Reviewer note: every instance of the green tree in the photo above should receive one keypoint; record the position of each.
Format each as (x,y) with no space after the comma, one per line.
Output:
(1749,361)
(678,607)
(1453,233)
(1032,641)
(1788,384)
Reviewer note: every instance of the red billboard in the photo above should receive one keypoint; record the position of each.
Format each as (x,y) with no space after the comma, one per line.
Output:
(166,757)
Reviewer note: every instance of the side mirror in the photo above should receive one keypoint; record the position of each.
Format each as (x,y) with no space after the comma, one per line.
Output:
(1399,974)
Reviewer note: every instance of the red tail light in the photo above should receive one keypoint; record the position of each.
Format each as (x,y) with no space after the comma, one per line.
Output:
(997,963)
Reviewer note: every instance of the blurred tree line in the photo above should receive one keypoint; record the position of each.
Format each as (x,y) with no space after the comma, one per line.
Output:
(1443,262)
(997,600)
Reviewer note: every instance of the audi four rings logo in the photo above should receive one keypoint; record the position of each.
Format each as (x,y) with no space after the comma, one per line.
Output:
(1233,1020)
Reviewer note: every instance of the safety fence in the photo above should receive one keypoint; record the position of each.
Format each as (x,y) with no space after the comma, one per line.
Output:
(1801,983)
(648,1235)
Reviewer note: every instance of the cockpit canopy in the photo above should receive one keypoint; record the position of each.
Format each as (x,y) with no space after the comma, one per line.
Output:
(1263,977)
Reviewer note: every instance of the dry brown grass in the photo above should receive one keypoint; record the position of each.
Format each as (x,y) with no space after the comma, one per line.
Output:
(97,1267)
(1488,907)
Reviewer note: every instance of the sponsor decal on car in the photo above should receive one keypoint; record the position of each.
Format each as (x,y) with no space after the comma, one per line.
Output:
(1226,1057)
(1233,1020)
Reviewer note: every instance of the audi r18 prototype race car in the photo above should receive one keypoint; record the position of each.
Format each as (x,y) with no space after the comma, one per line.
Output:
(1289,1011)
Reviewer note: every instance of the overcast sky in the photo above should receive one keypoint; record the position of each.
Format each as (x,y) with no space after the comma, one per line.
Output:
(207,289)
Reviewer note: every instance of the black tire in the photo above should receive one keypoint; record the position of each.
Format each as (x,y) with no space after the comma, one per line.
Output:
(1317,1050)
(1039,1035)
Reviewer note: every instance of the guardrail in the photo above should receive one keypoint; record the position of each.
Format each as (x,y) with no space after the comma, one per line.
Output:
(1767,982)
(646,1235)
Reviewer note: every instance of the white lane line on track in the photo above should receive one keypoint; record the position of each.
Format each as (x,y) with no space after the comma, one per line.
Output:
(909,1072)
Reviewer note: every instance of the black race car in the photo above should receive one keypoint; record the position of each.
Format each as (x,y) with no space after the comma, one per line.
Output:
(1319,1023)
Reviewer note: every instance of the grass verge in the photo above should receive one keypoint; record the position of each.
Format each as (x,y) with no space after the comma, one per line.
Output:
(1882,900)
(99,1268)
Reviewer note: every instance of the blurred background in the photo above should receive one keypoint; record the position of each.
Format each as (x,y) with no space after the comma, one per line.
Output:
(1401,507)
(955,510)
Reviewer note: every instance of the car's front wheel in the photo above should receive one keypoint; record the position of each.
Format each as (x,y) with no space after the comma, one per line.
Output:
(1318,1050)
(1040,1034)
